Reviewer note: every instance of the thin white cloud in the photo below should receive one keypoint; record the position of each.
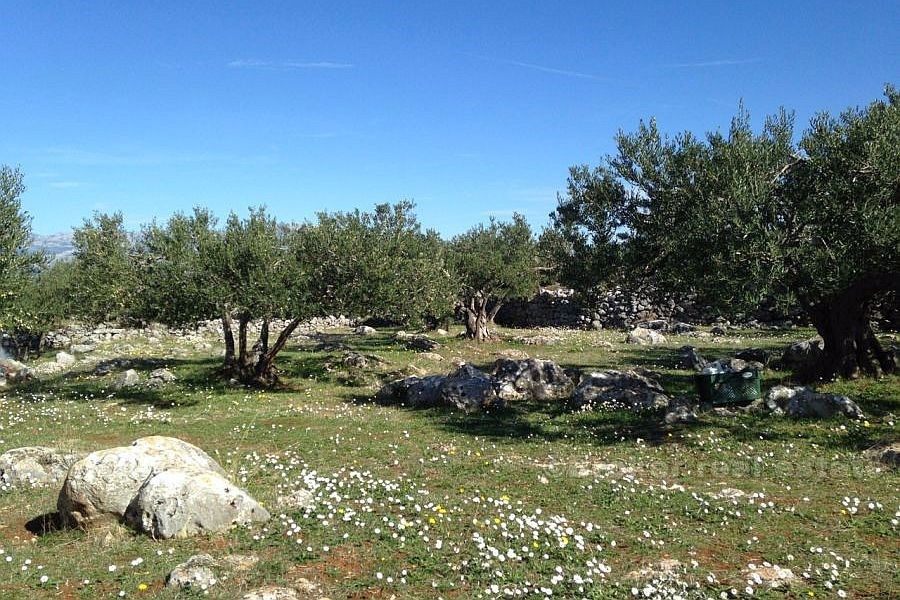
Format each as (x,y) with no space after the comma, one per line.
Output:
(714,63)
(289,65)
(65,185)
(543,68)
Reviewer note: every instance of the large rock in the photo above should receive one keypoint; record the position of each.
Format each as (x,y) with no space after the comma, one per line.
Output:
(645,337)
(804,356)
(421,343)
(13,371)
(100,486)
(415,392)
(182,502)
(888,455)
(365,330)
(614,389)
(35,466)
(802,402)
(530,378)
(470,390)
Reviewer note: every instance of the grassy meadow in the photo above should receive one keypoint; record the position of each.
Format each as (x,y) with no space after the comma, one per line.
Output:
(532,501)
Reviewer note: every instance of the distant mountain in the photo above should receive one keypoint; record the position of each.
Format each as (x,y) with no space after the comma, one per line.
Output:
(57,246)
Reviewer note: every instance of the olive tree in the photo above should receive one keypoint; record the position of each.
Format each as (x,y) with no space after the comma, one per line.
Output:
(105,282)
(17,262)
(739,216)
(492,264)
(378,263)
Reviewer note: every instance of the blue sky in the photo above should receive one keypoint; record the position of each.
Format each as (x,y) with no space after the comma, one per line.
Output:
(470,109)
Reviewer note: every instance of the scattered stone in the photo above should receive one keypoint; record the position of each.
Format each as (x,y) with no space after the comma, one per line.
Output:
(774,577)
(195,573)
(83,348)
(13,371)
(421,343)
(239,562)
(365,330)
(718,330)
(689,358)
(99,487)
(108,366)
(616,389)
(667,567)
(679,328)
(432,356)
(539,340)
(802,402)
(160,378)
(296,500)
(441,332)
(35,466)
(128,379)
(64,359)
(754,355)
(530,378)
(680,411)
(272,592)
(888,455)
(182,502)
(645,337)
(513,353)
(355,360)
(732,493)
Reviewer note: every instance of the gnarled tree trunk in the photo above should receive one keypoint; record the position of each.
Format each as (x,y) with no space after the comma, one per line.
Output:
(843,321)
(480,313)
(253,365)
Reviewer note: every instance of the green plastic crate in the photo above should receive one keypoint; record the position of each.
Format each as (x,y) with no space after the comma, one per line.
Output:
(728,388)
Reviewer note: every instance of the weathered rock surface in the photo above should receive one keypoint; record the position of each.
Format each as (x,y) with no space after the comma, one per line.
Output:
(64,359)
(415,392)
(802,402)
(609,389)
(296,500)
(530,378)
(470,389)
(128,379)
(195,573)
(182,502)
(803,356)
(689,358)
(272,592)
(13,371)
(888,455)
(35,466)
(365,330)
(680,411)
(421,343)
(645,337)
(100,486)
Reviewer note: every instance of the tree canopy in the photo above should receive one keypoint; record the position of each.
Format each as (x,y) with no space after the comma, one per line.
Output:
(739,216)
(17,262)
(491,265)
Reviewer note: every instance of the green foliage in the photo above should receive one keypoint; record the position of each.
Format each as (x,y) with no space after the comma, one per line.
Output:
(497,261)
(378,263)
(44,303)
(179,267)
(105,281)
(17,263)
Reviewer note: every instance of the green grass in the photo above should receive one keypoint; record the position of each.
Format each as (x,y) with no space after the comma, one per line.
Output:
(600,494)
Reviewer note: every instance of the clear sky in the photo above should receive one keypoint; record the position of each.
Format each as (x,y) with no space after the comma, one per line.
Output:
(470,109)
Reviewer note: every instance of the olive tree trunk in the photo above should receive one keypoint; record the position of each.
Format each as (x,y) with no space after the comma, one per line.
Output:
(479,314)
(253,365)
(851,347)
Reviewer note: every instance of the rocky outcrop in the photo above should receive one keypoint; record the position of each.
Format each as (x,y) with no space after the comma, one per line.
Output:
(35,466)
(182,502)
(530,378)
(168,487)
(618,389)
(802,402)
